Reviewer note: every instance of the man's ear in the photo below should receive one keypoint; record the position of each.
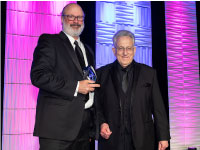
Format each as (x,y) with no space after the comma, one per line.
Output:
(134,51)
(62,20)
(114,51)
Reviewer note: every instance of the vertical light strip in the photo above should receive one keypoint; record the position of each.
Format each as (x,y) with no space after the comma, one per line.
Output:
(134,16)
(183,74)
(0,65)
(25,22)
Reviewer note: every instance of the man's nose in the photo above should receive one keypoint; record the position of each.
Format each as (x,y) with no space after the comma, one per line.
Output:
(125,51)
(76,20)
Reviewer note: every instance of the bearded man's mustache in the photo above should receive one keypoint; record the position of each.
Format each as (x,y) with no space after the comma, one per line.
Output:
(78,25)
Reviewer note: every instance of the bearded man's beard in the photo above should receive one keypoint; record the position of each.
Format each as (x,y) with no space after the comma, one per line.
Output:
(73,32)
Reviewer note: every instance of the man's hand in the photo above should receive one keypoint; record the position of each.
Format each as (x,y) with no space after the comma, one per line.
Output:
(105,131)
(162,145)
(86,86)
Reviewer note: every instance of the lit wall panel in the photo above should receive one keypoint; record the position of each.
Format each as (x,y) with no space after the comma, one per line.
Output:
(0,67)
(23,96)
(19,141)
(25,22)
(20,42)
(183,74)
(18,120)
(17,71)
(129,15)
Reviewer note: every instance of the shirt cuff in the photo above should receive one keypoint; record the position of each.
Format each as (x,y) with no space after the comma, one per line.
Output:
(76,91)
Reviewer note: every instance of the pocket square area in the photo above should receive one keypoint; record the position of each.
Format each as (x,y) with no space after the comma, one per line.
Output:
(147,84)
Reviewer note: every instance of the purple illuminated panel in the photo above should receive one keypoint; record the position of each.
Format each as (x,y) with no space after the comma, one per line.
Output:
(25,22)
(134,16)
(183,74)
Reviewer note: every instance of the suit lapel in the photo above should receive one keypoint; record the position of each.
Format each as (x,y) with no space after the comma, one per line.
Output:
(136,73)
(89,55)
(70,50)
(113,73)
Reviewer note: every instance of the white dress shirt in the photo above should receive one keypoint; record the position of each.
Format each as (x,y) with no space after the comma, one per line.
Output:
(90,102)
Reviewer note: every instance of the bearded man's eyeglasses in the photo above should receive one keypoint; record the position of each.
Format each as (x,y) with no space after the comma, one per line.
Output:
(72,17)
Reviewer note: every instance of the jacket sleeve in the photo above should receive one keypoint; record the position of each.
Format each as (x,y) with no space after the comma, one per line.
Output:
(43,73)
(160,117)
(99,100)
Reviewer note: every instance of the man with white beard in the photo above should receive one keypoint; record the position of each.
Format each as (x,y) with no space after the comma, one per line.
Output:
(64,113)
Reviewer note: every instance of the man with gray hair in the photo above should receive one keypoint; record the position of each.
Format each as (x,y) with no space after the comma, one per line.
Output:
(128,97)
(64,113)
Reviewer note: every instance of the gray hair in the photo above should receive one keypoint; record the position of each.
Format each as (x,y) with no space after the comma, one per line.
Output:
(122,33)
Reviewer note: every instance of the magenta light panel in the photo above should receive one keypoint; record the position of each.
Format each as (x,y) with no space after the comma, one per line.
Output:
(25,22)
(183,74)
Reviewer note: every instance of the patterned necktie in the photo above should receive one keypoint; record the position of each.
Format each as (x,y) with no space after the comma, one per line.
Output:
(125,80)
(79,55)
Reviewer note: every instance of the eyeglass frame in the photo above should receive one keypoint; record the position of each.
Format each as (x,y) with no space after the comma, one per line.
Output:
(122,49)
(83,17)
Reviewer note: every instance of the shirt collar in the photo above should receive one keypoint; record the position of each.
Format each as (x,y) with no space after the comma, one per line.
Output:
(71,39)
(127,68)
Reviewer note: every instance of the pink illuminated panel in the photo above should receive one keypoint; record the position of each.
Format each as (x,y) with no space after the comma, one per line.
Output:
(25,22)
(183,74)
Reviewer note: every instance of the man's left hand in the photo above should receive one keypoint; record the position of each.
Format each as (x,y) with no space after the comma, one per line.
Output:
(162,145)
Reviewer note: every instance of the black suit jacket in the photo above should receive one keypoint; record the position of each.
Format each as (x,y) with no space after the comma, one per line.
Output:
(146,101)
(55,71)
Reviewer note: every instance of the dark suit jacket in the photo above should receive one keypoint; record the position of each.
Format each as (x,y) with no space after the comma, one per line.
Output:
(55,71)
(146,101)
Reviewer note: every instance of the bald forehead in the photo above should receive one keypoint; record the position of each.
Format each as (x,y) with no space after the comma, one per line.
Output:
(73,8)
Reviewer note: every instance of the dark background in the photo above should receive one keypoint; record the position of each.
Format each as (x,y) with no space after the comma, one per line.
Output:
(3,30)
(198,26)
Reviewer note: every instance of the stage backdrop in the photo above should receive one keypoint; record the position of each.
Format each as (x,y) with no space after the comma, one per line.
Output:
(24,23)
(183,74)
(128,15)
(27,20)
(0,67)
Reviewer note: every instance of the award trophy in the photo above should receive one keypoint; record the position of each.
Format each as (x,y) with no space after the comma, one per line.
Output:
(89,73)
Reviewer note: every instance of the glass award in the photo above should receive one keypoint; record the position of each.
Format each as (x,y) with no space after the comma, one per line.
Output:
(89,73)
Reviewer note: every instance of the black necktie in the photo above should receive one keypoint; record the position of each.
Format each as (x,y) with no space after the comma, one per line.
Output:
(125,80)
(79,55)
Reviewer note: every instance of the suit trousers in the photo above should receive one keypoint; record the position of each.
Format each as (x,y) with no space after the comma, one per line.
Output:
(80,143)
(125,141)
